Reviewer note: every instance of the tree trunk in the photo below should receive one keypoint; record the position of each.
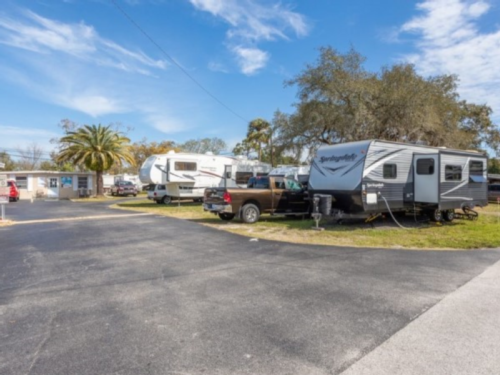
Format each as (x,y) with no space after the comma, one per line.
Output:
(99,183)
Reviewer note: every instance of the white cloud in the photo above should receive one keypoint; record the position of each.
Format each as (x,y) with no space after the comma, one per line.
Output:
(449,41)
(166,123)
(46,36)
(250,60)
(217,67)
(93,105)
(14,138)
(252,22)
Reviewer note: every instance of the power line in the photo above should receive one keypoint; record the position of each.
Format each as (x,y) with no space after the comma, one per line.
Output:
(20,151)
(173,60)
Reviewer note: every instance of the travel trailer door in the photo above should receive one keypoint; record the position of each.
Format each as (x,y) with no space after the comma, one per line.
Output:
(228,174)
(426,178)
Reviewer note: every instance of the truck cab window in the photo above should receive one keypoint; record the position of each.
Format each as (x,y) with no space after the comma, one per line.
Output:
(292,185)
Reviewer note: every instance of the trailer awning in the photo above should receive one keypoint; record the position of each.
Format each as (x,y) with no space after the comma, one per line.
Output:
(477,178)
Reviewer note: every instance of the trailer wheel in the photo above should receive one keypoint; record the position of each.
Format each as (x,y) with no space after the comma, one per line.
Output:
(435,215)
(225,216)
(166,199)
(250,213)
(449,215)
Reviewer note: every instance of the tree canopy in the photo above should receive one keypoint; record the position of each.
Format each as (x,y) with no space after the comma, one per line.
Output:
(97,148)
(201,146)
(340,101)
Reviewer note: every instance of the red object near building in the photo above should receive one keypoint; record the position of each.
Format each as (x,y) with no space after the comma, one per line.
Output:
(13,191)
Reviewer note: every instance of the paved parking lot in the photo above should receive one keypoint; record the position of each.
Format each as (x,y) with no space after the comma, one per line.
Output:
(156,295)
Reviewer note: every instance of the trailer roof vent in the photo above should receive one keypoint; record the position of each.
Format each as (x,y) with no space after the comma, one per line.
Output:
(171,152)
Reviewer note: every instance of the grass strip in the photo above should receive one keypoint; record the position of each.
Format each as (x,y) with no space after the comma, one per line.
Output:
(459,234)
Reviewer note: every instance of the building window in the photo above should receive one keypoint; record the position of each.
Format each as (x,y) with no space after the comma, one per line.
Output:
(390,171)
(185,166)
(425,166)
(22,182)
(243,177)
(453,173)
(83,182)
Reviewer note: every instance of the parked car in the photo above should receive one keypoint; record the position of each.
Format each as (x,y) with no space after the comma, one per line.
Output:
(273,195)
(124,188)
(13,191)
(493,192)
(158,194)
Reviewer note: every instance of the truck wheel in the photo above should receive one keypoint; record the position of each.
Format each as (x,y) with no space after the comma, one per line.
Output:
(449,215)
(225,216)
(435,215)
(166,199)
(250,213)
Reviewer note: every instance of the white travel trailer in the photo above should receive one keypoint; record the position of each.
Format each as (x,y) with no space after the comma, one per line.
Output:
(373,176)
(299,173)
(187,175)
(110,179)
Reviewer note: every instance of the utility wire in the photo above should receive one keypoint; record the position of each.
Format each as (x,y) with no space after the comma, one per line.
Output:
(19,151)
(122,11)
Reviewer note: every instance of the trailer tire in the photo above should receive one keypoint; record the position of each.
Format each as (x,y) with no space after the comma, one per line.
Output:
(250,213)
(226,216)
(166,199)
(435,215)
(449,215)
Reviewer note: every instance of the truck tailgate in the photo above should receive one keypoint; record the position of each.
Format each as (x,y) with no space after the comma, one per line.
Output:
(214,195)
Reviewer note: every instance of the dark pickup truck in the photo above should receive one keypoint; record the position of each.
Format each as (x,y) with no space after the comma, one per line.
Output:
(273,195)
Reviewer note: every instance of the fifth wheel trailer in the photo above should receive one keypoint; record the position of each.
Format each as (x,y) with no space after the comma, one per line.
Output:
(187,175)
(373,176)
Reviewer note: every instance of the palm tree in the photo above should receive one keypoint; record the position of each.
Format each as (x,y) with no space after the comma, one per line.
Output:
(259,132)
(97,148)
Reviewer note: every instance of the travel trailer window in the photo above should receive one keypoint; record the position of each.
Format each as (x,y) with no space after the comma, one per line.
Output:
(476,169)
(390,171)
(425,166)
(185,166)
(453,172)
(243,177)
(82,182)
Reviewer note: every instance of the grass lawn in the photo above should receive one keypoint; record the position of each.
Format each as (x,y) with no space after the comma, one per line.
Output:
(460,234)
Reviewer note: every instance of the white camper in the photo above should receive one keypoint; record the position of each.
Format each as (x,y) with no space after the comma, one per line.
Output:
(299,173)
(374,176)
(187,175)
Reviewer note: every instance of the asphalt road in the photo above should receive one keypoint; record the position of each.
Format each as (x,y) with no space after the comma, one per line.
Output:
(133,294)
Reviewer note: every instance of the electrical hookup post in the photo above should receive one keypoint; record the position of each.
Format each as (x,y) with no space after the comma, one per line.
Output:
(4,194)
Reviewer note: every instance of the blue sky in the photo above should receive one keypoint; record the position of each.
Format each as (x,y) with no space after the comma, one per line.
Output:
(84,60)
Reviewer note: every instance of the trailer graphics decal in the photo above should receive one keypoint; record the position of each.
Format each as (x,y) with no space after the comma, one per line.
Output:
(316,167)
(381,160)
(336,159)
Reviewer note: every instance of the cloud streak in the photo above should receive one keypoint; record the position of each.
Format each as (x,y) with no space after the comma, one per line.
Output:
(250,23)
(42,35)
(72,66)
(450,41)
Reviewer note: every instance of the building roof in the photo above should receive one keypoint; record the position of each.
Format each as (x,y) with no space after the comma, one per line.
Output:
(46,172)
